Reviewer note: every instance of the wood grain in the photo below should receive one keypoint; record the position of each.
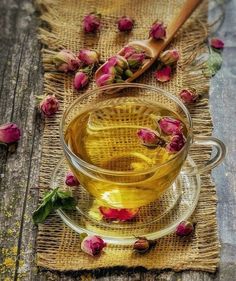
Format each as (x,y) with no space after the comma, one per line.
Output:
(20,82)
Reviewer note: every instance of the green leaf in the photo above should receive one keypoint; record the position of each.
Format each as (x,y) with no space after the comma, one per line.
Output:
(53,200)
(42,212)
(213,64)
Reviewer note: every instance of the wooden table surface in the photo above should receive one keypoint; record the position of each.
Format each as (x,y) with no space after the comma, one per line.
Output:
(20,81)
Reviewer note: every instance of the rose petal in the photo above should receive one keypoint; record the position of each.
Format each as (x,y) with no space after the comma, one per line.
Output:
(118,214)
(163,74)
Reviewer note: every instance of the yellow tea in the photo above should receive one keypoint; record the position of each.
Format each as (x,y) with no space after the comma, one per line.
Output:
(105,136)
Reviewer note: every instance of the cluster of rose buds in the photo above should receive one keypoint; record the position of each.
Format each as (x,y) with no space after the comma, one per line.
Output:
(49,105)
(83,62)
(118,214)
(184,228)
(120,67)
(158,30)
(172,128)
(125,23)
(167,60)
(189,96)
(9,133)
(70,179)
(93,245)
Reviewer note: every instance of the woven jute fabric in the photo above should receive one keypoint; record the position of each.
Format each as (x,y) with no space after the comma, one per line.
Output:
(58,247)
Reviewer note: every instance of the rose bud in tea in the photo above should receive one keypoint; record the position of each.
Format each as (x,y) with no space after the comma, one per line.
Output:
(169,125)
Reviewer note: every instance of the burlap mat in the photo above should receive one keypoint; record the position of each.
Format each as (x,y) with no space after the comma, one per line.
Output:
(57,245)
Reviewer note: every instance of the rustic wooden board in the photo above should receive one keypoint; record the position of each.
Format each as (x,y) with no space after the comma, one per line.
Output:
(20,82)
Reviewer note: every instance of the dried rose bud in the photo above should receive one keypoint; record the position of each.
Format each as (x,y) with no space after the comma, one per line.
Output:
(70,179)
(66,61)
(157,31)
(141,246)
(91,22)
(105,79)
(217,43)
(150,138)
(176,143)
(170,126)
(118,214)
(169,57)
(81,80)
(49,105)
(136,60)
(189,96)
(93,245)
(163,74)
(125,23)
(9,133)
(184,228)
(88,57)
(128,73)
(118,61)
(128,51)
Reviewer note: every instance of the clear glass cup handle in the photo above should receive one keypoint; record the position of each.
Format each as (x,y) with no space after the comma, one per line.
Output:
(216,159)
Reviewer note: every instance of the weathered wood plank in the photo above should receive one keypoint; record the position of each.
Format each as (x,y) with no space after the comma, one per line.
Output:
(20,80)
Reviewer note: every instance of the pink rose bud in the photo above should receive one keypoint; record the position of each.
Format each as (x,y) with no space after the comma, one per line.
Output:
(49,105)
(176,143)
(93,245)
(184,228)
(66,61)
(88,57)
(107,68)
(217,43)
(169,57)
(128,51)
(125,23)
(118,61)
(91,22)
(188,96)
(170,126)
(105,79)
(71,180)
(136,60)
(163,74)
(149,138)
(157,31)
(9,133)
(81,80)
(118,214)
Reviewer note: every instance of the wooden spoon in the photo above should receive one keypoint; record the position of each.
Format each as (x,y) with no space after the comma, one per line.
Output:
(154,47)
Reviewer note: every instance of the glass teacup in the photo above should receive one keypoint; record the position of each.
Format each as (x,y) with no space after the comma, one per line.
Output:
(99,138)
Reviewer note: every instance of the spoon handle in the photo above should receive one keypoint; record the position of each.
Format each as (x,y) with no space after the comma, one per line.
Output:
(185,12)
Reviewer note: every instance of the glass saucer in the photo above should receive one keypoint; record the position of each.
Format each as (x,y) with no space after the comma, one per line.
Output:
(153,221)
